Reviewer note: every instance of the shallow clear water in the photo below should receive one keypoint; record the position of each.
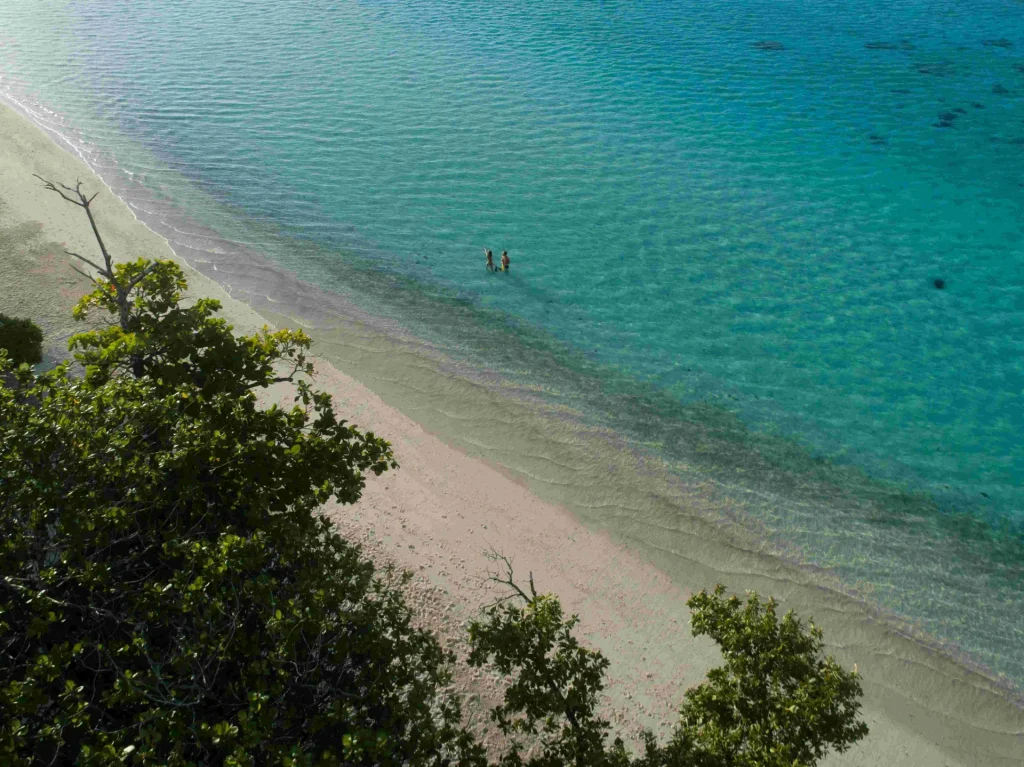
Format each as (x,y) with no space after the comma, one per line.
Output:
(711,209)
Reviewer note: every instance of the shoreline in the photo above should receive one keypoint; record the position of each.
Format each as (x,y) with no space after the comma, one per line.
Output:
(449,503)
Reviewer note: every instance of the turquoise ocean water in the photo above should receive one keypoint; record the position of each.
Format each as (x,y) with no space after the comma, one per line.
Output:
(717,213)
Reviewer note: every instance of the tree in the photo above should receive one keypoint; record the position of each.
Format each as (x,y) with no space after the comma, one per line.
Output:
(170,594)
(777,702)
(556,681)
(155,336)
(22,339)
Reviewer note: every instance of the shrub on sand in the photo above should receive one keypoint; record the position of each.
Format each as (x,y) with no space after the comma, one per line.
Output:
(22,339)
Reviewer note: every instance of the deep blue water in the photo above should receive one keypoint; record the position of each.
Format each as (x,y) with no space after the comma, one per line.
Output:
(745,204)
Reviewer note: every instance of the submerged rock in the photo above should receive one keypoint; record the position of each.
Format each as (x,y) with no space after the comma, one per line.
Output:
(937,68)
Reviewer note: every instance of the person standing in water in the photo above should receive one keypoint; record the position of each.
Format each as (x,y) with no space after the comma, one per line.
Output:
(505,261)
(490,260)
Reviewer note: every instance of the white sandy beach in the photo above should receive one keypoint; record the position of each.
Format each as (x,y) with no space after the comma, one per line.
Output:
(443,509)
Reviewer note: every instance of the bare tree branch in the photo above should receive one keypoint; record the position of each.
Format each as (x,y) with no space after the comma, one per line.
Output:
(53,188)
(85,274)
(91,263)
(508,579)
(77,197)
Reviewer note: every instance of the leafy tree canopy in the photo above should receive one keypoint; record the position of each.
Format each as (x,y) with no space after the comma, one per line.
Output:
(22,339)
(777,702)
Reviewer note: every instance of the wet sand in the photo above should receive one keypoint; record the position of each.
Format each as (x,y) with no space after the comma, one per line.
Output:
(564,502)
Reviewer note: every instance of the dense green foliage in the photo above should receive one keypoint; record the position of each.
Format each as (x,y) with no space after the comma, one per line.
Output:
(556,682)
(170,595)
(168,590)
(775,703)
(22,339)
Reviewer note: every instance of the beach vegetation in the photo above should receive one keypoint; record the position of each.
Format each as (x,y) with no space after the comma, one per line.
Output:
(776,702)
(22,339)
(171,593)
